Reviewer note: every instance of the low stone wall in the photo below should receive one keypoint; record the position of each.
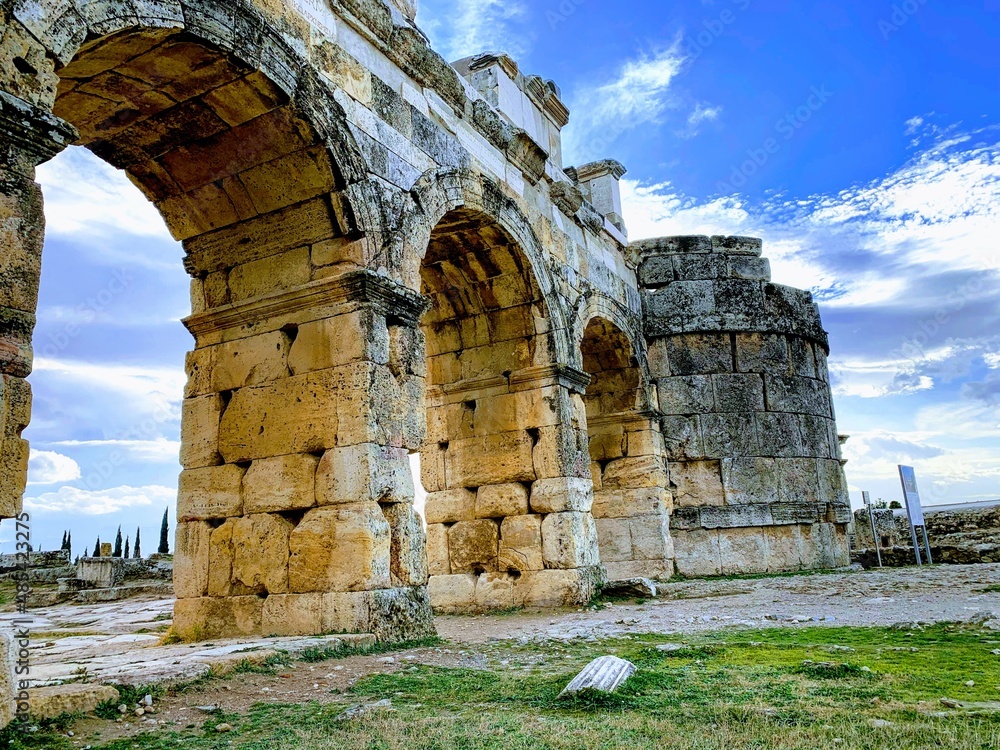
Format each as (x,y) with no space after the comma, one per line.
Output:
(43,567)
(963,536)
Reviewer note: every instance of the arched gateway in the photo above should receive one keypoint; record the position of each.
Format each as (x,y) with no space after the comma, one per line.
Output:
(389,257)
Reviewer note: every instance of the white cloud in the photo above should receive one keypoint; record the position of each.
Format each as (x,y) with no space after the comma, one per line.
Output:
(86,196)
(638,94)
(701,114)
(468,27)
(159,450)
(99,502)
(49,467)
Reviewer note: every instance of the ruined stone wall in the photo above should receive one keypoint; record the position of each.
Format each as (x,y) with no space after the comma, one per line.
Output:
(740,367)
(962,536)
(389,256)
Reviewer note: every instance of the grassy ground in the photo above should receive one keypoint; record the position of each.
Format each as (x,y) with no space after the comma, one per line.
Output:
(780,688)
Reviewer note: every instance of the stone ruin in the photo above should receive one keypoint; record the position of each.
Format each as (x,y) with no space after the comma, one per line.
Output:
(388,256)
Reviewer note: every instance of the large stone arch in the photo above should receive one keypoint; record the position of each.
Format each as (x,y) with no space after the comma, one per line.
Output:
(227,128)
(632,499)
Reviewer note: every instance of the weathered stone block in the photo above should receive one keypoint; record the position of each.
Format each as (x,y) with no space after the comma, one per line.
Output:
(334,342)
(797,395)
(208,617)
(762,352)
(780,435)
(569,540)
(738,393)
(57,700)
(209,493)
(798,480)
(699,354)
(450,506)
(784,548)
(728,435)
(340,548)
(408,550)
(14,454)
(635,472)
(561,495)
(501,500)
(474,546)
(280,483)
(250,361)
(643,501)
(561,451)
(521,544)
(494,591)
(455,594)
(697,552)
(356,473)
(651,537)
(684,395)
(682,438)
(614,537)
(438,555)
(191,546)
(749,480)
(556,588)
(200,419)
(261,550)
(494,459)
(697,483)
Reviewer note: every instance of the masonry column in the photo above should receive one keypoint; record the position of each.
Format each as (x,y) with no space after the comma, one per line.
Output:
(296,503)
(28,136)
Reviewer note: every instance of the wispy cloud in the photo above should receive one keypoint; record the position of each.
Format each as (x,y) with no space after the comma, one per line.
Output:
(49,467)
(468,27)
(701,114)
(639,93)
(99,502)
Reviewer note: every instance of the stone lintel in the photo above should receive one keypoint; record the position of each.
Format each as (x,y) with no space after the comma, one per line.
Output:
(39,134)
(546,375)
(358,287)
(602,168)
(756,514)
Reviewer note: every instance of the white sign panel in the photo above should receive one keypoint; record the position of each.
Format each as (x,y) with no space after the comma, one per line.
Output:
(318,13)
(909,478)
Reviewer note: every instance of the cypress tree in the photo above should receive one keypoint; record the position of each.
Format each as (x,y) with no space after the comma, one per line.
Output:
(63,545)
(136,553)
(97,548)
(127,555)
(69,542)
(118,544)
(164,548)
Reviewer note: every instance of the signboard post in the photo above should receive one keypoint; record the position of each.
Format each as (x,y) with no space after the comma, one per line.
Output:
(914,510)
(871,517)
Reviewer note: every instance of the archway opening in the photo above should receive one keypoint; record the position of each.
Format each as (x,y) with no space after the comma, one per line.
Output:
(628,465)
(504,509)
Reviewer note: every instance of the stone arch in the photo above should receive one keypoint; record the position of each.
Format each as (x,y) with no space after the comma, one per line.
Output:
(240,144)
(505,463)
(632,500)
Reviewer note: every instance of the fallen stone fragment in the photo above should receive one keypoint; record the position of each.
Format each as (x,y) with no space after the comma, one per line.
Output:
(224,727)
(207,709)
(56,700)
(605,674)
(970,683)
(949,703)
(670,647)
(631,587)
(356,712)
(880,723)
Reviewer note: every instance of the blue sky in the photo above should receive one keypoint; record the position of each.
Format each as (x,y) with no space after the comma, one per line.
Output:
(861,140)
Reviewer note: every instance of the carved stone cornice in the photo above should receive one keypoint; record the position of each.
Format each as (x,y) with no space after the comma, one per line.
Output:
(31,130)
(359,287)
(544,375)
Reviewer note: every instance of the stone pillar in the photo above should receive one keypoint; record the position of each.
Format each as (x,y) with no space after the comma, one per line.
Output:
(740,366)
(28,136)
(295,512)
(510,496)
(601,185)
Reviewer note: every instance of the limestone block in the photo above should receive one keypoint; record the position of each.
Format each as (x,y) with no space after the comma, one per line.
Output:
(696,267)
(738,392)
(749,480)
(816,432)
(697,552)
(407,351)
(280,483)
(561,451)
(357,336)
(212,492)
(780,434)
(656,570)
(797,395)
(438,556)
(295,415)
(832,483)
(8,652)
(802,358)
(607,442)
(686,394)
(15,406)
(501,500)
(698,354)
(226,617)
(561,495)
(474,545)
(674,307)
(645,443)
(454,594)
(784,548)
(748,267)
(14,454)
(823,546)
(317,613)
(199,365)
(569,540)
(274,273)
(728,435)
(556,588)
(697,483)
(408,548)
(191,546)
(628,503)
(682,438)
(494,459)
(54,701)
(340,548)
(596,476)
(743,551)
(494,591)
(450,506)
(736,516)
(432,468)
(798,480)
(261,550)
(635,473)
(761,352)
(200,417)
(250,361)
(614,538)
(651,537)
(355,473)
(220,563)
(521,544)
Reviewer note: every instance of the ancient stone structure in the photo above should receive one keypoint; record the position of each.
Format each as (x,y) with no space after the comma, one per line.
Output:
(389,256)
